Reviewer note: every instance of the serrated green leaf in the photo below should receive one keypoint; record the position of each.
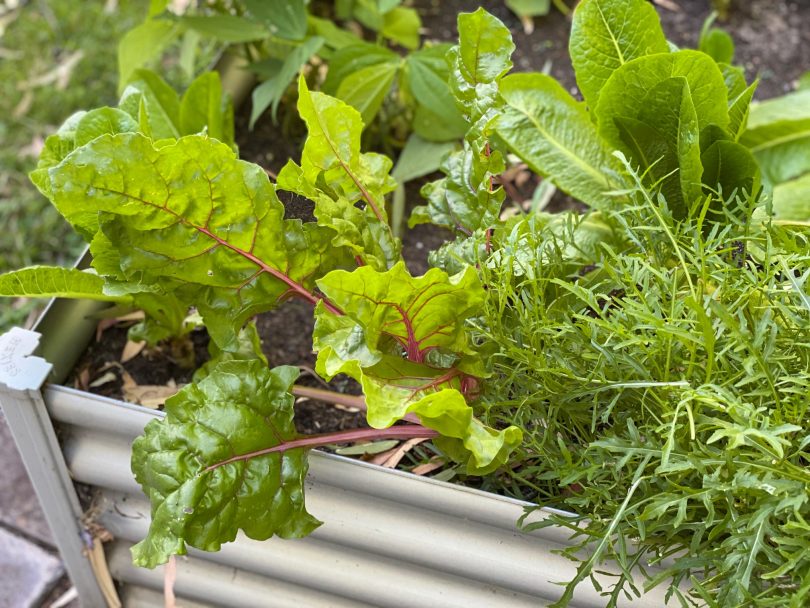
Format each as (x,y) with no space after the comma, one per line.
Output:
(778,134)
(625,93)
(605,35)
(285,18)
(663,139)
(196,465)
(226,28)
(554,135)
(390,315)
(193,219)
(52,282)
(269,93)
(142,45)
(336,176)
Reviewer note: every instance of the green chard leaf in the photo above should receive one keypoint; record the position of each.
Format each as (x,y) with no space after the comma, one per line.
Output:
(155,105)
(391,315)
(51,282)
(191,219)
(465,201)
(605,35)
(337,176)
(209,467)
(554,135)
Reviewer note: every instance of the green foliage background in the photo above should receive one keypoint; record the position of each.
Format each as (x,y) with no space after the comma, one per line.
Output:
(35,40)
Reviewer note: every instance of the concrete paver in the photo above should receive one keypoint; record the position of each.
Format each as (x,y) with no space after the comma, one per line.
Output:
(19,507)
(28,572)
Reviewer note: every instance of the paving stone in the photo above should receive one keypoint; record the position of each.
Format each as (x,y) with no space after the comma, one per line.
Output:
(28,572)
(19,507)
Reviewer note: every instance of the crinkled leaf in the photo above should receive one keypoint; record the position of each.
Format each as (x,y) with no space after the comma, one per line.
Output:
(626,91)
(195,220)
(336,175)
(188,464)
(285,18)
(778,134)
(269,93)
(481,59)
(554,135)
(390,315)
(455,256)
(249,348)
(662,138)
(54,282)
(605,35)
(465,201)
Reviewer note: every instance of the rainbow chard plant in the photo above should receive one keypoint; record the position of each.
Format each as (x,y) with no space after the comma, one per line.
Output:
(177,223)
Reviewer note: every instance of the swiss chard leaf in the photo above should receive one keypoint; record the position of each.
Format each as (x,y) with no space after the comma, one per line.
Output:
(390,315)
(196,221)
(50,282)
(554,135)
(336,176)
(200,467)
(605,35)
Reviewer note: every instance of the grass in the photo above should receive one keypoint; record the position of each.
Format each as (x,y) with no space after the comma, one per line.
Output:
(661,371)
(58,56)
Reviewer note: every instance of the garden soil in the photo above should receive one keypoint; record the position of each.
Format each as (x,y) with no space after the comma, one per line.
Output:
(773,43)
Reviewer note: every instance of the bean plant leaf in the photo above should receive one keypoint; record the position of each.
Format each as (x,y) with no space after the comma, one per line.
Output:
(142,45)
(226,28)
(605,35)
(625,93)
(554,135)
(402,25)
(336,176)
(197,469)
(54,282)
(391,315)
(427,75)
(269,93)
(284,18)
(194,220)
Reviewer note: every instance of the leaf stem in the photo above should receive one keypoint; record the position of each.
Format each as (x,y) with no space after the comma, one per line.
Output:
(311,441)
(356,401)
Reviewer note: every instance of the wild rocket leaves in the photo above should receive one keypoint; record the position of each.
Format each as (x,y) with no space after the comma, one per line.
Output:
(668,112)
(404,339)
(218,463)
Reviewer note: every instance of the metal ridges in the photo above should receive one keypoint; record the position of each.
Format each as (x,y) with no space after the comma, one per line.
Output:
(389,538)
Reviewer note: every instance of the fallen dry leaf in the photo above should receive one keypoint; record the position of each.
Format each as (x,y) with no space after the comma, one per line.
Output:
(106,324)
(104,379)
(132,350)
(391,458)
(148,395)
(437,462)
(668,4)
